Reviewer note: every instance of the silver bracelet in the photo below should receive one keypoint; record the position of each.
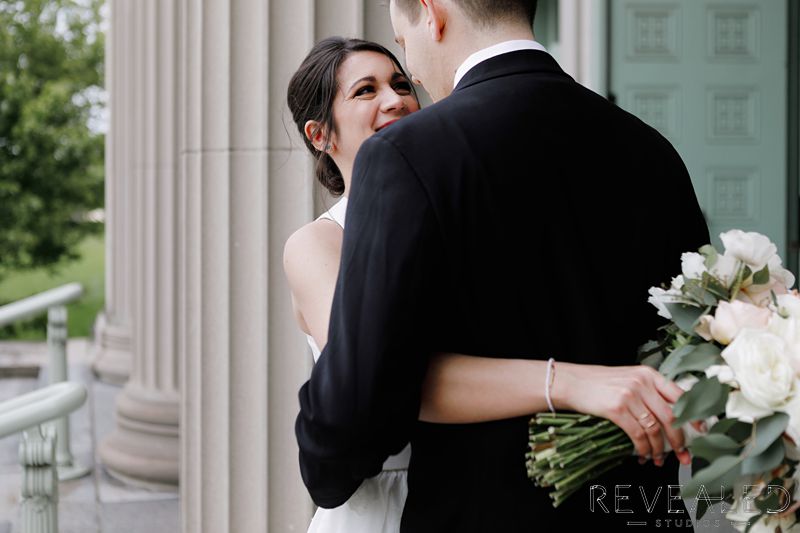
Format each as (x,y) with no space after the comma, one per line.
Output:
(548,383)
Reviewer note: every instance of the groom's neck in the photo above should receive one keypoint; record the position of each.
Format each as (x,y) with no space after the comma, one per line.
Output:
(469,38)
(466,39)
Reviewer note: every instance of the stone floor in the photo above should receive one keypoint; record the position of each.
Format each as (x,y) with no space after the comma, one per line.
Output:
(97,503)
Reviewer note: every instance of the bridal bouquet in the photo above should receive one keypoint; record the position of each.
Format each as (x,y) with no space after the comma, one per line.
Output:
(733,344)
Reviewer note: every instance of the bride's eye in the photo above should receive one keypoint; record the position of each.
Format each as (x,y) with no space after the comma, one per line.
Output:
(366,89)
(402,87)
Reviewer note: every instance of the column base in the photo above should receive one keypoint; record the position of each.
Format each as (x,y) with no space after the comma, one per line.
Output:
(144,450)
(113,360)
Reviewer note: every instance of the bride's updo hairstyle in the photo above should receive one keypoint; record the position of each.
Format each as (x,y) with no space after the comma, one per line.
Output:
(312,91)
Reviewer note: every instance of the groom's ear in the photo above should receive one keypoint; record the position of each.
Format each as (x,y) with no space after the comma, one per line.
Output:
(314,133)
(435,18)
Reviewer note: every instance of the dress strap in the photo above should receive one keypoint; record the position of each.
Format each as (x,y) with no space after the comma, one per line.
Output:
(337,212)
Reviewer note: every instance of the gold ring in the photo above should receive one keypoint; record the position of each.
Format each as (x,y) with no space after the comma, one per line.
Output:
(651,424)
(644,415)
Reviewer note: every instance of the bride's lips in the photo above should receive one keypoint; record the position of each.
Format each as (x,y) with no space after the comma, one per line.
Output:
(388,123)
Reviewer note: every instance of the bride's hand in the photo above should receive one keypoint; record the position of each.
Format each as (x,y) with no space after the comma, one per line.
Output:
(636,398)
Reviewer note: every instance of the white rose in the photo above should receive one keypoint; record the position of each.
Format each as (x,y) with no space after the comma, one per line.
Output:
(779,281)
(725,269)
(740,408)
(790,302)
(788,328)
(703,327)
(730,318)
(759,295)
(764,372)
(687,382)
(693,265)
(753,249)
(723,373)
(659,297)
(779,274)
(793,429)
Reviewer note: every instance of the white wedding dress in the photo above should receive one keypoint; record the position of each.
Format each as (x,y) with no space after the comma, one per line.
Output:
(377,505)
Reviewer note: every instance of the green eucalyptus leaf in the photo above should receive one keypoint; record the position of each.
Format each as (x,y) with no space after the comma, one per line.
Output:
(654,360)
(716,478)
(723,425)
(696,289)
(693,357)
(713,446)
(762,276)
(746,272)
(716,287)
(710,253)
(766,460)
(674,359)
(766,432)
(650,347)
(735,429)
(705,399)
(685,316)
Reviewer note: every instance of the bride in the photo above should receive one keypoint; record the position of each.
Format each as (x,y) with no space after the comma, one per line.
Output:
(344,91)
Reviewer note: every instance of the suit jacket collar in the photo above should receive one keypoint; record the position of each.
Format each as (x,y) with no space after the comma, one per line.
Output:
(521,61)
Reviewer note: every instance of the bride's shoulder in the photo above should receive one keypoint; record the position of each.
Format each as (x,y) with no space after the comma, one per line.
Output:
(320,233)
(315,245)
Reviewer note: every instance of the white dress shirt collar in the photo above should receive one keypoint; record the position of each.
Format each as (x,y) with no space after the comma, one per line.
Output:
(495,50)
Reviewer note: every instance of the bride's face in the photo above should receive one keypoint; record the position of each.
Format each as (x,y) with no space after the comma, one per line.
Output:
(372,94)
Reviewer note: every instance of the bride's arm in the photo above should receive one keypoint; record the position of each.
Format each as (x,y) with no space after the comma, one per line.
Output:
(311,263)
(466,389)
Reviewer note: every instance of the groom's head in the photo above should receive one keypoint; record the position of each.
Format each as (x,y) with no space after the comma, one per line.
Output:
(438,35)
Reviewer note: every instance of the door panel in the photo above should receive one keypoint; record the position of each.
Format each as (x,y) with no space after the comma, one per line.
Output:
(711,77)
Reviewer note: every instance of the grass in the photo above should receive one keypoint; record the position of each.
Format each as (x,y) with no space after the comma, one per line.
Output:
(88,271)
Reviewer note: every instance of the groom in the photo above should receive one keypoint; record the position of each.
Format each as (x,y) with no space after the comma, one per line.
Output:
(521,216)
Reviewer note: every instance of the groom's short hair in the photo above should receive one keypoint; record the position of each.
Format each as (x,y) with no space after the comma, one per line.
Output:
(482,12)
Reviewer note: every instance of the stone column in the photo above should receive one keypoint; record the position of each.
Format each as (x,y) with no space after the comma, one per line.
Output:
(113,337)
(144,447)
(583,42)
(246,187)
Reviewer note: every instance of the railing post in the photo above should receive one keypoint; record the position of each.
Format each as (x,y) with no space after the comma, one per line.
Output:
(57,345)
(39,504)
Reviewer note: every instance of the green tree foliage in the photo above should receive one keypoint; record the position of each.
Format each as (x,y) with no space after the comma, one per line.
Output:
(51,162)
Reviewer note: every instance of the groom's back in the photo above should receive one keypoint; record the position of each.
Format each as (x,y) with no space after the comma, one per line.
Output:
(557,212)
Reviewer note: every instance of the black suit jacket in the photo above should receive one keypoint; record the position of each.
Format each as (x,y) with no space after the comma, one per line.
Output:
(523,216)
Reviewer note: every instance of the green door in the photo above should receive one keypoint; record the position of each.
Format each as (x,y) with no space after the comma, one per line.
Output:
(711,76)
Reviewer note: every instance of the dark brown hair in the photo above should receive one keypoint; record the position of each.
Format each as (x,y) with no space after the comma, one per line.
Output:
(482,12)
(312,91)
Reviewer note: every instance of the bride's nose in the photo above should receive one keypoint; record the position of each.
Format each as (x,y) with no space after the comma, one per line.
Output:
(392,102)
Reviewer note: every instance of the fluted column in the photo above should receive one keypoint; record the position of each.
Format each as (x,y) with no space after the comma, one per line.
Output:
(113,350)
(144,446)
(246,183)
(245,192)
(583,42)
